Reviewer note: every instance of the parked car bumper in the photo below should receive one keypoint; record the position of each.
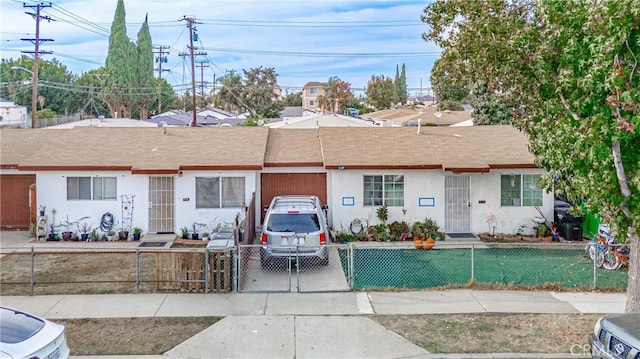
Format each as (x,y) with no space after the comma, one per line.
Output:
(598,351)
(292,253)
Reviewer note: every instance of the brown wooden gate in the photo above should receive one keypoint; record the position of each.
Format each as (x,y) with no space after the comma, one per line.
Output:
(277,184)
(14,201)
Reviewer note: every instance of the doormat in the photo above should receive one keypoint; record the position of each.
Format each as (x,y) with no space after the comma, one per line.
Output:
(461,235)
(152,244)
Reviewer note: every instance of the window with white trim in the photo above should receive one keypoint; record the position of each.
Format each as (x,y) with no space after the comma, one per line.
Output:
(385,190)
(520,190)
(92,188)
(219,192)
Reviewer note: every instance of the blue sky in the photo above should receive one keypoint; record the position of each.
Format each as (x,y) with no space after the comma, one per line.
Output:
(304,40)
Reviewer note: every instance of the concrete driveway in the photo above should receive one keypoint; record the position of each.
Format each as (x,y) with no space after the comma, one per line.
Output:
(305,278)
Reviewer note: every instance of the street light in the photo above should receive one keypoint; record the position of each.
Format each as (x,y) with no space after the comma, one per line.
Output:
(34,91)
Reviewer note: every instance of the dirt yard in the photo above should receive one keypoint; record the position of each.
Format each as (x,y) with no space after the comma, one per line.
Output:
(463,333)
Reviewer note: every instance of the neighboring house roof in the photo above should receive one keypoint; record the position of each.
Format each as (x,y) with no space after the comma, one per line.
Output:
(150,151)
(320,120)
(428,115)
(292,111)
(468,149)
(293,147)
(105,122)
(215,112)
(314,84)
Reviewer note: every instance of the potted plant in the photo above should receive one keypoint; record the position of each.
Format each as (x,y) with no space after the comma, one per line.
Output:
(42,209)
(542,232)
(84,230)
(399,230)
(137,231)
(205,236)
(53,233)
(417,230)
(111,235)
(93,235)
(194,230)
(431,233)
(185,232)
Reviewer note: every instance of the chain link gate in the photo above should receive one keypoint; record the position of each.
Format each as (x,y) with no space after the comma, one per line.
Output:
(291,271)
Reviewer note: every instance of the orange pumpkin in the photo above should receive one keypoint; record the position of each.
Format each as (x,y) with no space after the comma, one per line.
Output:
(429,243)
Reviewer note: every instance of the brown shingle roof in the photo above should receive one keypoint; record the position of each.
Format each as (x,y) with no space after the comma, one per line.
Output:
(291,147)
(426,115)
(147,150)
(474,148)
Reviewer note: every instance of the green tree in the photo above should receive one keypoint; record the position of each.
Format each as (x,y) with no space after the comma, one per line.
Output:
(402,94)
(337,95)
(293,99)
(168,97)
(487,108)
(229,96)
(448,85)
(120,67)
(259,89)
(91,96)
(381,92)
(56,90)
(146,85)
(572,68)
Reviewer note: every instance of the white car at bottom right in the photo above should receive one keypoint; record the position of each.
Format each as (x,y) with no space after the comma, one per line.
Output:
(616,336)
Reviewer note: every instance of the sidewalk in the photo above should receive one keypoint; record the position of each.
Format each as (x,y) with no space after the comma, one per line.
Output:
(304,325)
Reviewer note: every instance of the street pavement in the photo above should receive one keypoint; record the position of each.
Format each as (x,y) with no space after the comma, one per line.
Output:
(312,325)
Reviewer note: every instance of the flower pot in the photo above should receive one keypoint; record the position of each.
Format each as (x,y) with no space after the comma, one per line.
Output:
(66,236)
(123,235)
(547,239)
(194,236)
(417,242)
(41,213)
(136,236)
(428,244)
(53,237)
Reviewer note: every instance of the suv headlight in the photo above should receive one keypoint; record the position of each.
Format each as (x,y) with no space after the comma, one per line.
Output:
(597,327)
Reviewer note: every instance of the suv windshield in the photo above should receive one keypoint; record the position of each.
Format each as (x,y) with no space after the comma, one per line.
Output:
(299,223)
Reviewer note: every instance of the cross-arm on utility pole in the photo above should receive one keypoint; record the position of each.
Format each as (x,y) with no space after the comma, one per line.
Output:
(162,58)
(192,35)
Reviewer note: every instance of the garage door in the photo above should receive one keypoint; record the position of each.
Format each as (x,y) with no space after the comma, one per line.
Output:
(14,201)
(277,184)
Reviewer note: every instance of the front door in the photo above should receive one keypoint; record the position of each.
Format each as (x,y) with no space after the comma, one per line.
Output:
(458,204)
(161,205)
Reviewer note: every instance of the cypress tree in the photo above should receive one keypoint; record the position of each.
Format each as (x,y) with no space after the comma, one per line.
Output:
(146,83)
(402,91)
(120,66)
(396,83)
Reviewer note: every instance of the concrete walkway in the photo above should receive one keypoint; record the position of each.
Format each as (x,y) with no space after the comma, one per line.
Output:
(312,325)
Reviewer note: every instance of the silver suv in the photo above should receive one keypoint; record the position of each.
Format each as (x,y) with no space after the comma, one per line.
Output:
(295,228)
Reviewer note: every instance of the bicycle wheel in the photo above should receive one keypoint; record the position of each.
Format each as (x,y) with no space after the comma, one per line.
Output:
(590,251)
(610,261)
(600,259)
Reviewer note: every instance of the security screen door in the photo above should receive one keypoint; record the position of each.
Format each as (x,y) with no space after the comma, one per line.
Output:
(458,206)
(161,205)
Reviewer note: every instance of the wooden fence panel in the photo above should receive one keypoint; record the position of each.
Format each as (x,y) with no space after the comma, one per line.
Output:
(185,271)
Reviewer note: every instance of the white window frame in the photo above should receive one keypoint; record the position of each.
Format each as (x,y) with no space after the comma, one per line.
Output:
(529,191)
(378,192)
(223,196)
(101,188)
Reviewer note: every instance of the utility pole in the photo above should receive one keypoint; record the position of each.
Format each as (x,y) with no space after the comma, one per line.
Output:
(192,35)
(36,52)
(202,65)
(160,59)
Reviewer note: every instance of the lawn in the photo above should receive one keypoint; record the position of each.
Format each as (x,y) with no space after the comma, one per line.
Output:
(520,267)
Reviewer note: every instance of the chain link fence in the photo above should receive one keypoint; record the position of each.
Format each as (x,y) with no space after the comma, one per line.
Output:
(358,265)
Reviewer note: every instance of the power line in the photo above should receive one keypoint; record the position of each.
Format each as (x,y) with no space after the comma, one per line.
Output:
(192,34)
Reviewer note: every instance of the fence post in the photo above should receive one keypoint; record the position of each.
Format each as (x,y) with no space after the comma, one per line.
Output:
(235,263)
(33,274)
(473,266)
(595,266)
(206,270)
(351,267)
(137,270)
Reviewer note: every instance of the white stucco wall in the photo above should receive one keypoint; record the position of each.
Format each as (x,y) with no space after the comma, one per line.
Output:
(484,198)
(52,193)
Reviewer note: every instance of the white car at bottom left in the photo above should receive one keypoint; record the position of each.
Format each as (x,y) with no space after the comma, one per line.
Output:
(23,335)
